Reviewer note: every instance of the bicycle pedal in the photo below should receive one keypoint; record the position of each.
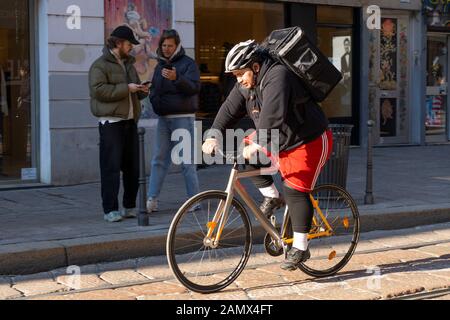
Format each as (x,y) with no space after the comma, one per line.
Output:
(273,220)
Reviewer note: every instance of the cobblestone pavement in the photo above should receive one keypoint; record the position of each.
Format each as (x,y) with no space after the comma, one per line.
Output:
(387,264)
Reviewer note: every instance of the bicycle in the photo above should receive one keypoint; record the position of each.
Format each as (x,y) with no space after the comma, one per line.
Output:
(224,235)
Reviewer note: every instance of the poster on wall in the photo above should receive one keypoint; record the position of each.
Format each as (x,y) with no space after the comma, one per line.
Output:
(342,60)
(388,117)
(435,117)
(388,54)
(147,18)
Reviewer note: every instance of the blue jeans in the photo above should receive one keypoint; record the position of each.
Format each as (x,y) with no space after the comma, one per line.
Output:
(162,150)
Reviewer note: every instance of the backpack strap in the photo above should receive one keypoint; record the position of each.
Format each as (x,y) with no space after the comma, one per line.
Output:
(299,101)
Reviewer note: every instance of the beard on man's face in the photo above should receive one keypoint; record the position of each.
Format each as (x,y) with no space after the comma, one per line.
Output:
(124,53)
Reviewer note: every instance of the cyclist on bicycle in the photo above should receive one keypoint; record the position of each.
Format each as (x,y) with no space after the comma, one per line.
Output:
(274,98)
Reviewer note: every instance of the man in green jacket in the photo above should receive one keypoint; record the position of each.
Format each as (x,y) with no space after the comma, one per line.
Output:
(115,92)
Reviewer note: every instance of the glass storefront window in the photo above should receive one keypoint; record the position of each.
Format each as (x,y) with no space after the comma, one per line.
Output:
(334,15)
(15,93)
(335,40)
(437,91)
(336,44)
(219,25)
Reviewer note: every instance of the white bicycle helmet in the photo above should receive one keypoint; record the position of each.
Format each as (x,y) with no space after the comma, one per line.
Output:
(240,56)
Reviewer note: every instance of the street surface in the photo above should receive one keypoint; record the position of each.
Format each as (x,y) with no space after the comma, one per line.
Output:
(386,265)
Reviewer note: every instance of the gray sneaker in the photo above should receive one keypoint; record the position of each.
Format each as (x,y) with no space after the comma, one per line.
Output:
(294,258)
(113,216)
(152,205)
(128,213)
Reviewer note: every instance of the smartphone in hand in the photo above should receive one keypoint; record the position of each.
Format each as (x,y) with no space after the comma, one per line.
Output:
(146,82)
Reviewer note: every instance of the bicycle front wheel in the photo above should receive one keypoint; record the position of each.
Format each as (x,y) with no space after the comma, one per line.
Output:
(334,233)
(199,266)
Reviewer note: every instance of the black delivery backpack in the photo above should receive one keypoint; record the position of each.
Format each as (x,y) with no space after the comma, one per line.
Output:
(292,48)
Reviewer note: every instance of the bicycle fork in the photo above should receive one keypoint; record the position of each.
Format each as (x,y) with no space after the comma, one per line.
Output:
(221,215)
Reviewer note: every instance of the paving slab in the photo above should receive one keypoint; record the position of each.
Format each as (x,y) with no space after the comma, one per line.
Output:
(338,292)
(6,292)
(122,276)
(385,287)
(38,285)
(158,288)
(421,279)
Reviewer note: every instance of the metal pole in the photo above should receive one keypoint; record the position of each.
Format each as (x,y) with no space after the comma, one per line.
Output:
(143,216)
(368,199)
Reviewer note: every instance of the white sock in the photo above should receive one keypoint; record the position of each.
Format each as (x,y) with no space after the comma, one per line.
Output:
(300,241)
(270,192)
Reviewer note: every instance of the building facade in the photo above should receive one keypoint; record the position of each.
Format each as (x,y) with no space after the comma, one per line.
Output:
(393,73)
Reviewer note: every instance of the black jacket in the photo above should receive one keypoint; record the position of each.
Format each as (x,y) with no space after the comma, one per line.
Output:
(279,101)
(179,96)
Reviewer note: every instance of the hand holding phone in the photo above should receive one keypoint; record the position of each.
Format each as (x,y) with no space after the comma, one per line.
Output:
(170,74)
(146,83)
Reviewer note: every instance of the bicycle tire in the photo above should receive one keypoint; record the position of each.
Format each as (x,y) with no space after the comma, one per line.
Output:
(172,236)
(314,272)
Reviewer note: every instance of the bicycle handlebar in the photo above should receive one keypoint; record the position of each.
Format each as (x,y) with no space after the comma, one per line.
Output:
(235,158)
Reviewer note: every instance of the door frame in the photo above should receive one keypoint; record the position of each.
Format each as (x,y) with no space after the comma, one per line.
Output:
(405,138)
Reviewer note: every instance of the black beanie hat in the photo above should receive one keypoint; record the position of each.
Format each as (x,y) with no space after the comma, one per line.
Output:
(124,32)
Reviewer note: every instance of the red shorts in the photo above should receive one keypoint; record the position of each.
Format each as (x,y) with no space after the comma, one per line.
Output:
(300,167)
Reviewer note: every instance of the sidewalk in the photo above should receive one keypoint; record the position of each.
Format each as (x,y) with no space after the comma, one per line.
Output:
(47,228)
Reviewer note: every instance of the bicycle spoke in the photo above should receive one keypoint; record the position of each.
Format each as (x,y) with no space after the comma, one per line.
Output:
(209,208)
(190,239)
(230,222)
(186,246)
(195,254)
(201,229)
(225,244)
(201,261)
(231,232)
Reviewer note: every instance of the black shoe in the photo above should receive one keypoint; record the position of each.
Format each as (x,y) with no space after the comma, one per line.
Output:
(294,258)
(270,204)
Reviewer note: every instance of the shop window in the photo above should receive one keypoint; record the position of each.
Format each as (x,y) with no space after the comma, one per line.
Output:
(334,15)
(437,91)
(219,25)
(15,93)
(335,40)
(336,44)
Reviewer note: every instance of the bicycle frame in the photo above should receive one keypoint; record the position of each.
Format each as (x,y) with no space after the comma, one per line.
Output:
(235,187)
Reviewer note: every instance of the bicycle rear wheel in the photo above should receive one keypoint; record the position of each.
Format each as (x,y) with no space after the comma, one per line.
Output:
(330,253)
(198,266)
